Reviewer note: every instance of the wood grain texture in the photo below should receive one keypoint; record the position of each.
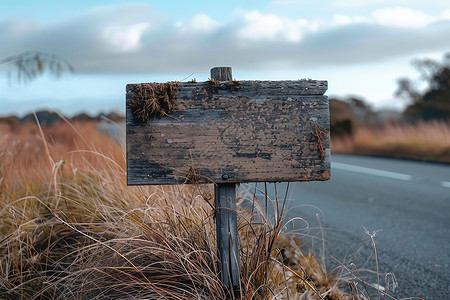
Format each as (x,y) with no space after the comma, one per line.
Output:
(227,233)
(248,132)
(225,212)
(221,74)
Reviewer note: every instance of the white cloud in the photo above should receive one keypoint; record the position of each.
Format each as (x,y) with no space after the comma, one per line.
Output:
(130,39)
(445,15)
(338,20)
(402,17)
(126,38)
(199,24)
(271,27)
(395,17)
(368,3)
(203,22)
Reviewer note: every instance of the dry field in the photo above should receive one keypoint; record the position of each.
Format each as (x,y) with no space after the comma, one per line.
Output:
(423,141)
(70,228)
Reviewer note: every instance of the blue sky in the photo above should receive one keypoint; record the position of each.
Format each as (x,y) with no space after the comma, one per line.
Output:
(360,47)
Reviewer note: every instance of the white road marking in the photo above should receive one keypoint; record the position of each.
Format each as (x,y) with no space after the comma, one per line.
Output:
(371,171)
(445,184)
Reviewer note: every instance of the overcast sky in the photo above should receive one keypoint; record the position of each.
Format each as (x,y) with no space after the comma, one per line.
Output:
(360,47)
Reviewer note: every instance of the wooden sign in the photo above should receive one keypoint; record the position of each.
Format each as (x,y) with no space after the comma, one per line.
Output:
(227,132)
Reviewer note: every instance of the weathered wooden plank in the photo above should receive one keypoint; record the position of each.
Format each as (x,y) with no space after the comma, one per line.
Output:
(246,131)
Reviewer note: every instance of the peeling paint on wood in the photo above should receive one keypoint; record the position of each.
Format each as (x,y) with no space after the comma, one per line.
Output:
(261,131)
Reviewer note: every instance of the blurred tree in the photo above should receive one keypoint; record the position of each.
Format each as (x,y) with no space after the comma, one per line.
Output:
(362,110)
(434,101)
(347,114)
(31,64)
(407,90)
(342,118)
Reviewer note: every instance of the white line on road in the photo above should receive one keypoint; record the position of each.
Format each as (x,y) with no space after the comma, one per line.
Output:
(445,184)
(370,171)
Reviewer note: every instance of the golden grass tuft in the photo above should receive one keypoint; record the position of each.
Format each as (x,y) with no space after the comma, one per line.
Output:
(422,140)
(70,228)
(153,99)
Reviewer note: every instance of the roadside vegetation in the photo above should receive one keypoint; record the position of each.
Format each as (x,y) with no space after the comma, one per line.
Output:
(70,228)
(428,141)
(421,132)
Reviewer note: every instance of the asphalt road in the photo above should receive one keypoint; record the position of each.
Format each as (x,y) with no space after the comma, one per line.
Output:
(407,202)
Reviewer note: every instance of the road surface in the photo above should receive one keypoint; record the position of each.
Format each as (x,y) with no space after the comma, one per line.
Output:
(408,201)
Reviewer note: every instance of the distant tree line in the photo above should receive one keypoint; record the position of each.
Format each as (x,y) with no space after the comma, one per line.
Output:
(346,114)
(50,117)
(434,101)
(430,102)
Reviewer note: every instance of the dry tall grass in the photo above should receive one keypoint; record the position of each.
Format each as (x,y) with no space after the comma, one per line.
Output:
(423,140)
(70,228)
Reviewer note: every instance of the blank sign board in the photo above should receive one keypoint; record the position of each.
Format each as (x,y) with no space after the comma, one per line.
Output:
(227,132)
